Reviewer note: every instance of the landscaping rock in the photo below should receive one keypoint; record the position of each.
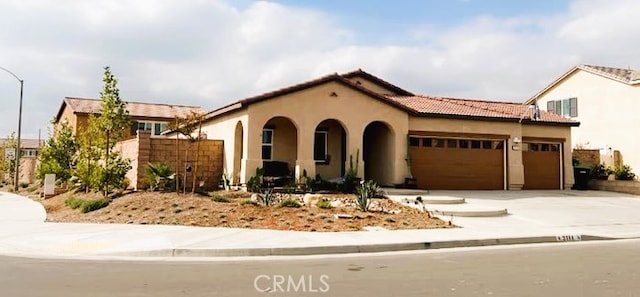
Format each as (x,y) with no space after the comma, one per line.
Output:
(343,216)
(336,203)
(255,197)
(311,199)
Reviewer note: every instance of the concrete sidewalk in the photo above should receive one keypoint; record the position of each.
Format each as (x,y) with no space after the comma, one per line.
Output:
(535,216)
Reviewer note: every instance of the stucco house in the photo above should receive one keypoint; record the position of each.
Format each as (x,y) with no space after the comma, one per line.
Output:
(150,117)
(605,101)
(29,151)
(319,125)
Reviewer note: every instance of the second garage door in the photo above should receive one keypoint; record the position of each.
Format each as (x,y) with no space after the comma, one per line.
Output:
(457,164)
(541,166)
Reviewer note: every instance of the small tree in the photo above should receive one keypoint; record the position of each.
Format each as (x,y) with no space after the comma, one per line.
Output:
(57,155)
(191,128)
(113,122)
(97,167)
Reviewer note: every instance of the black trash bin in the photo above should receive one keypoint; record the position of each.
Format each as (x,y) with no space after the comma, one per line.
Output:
(581,177)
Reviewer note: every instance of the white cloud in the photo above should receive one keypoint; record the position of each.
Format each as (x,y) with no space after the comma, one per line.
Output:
(210,53)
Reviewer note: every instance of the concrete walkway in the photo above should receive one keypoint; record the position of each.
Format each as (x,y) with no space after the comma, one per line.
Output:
(534,216)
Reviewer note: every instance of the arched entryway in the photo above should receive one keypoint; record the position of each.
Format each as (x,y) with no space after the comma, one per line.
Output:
(330,149)
(238,153)
(378,151)
(279,146)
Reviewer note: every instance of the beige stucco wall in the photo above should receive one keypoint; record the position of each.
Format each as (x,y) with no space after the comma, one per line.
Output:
(307,108)
(224,128)
(605,111)
(334,144)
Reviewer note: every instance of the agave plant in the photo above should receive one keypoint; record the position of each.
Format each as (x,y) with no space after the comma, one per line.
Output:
(364,193)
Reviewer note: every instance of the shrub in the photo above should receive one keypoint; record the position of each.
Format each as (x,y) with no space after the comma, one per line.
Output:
(73,202)
(624,173)
(254,184)
(94,204)
(220,198)
(364,193)
(160,176)
(290,203)
(600,171)
(248,201)
(325,204)
(266,196)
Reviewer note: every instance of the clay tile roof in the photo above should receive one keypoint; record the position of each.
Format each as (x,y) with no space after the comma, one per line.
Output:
(136,109)
(429,105)
(25,143)
(628,76)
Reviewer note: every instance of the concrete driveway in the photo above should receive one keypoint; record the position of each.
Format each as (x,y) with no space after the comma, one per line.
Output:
(587,212)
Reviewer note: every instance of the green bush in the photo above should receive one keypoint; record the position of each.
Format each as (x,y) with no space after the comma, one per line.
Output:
(86,205)
(94,204)
(73,202)
(248,201)
(325,204)
(160,176)
(624,173)
(290,203)
(600,171)
(219,198)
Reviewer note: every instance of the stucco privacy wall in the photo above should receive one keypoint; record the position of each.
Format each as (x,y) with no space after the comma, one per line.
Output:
(143,150)
(224,128)
(307,108)
(503,130)
(605,113)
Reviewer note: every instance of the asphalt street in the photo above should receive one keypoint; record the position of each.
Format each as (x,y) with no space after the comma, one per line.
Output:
(608,268)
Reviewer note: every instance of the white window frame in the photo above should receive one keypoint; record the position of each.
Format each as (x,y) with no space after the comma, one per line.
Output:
(150,126)
(325,134)
(563,108)
(270,144)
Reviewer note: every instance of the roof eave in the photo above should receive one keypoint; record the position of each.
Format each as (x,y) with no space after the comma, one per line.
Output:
(495,119)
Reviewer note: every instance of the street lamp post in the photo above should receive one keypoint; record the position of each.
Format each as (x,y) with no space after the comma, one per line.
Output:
(17,167)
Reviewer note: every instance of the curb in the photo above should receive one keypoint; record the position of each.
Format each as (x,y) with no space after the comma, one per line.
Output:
(354,249)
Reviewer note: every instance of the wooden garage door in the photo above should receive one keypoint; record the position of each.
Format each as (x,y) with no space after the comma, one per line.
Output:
(457,164)
(541,166)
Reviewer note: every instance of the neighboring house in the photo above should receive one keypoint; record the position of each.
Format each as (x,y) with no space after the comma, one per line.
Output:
(29,150)
(151,117)
(28,147)
(322,126)
(605,101)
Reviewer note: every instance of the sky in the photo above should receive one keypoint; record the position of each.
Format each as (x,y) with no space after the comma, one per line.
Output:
(210,53)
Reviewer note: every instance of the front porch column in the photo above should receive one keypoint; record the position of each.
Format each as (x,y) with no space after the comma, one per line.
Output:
(249,169)
(305,161)
(515,167)
(355,153)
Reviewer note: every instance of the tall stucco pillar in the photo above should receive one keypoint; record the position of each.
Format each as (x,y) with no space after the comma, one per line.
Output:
(515,171)
(355,153)
(305,161)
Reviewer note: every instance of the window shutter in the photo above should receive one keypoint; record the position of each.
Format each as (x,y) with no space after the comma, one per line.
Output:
(573,105)
(551,106)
